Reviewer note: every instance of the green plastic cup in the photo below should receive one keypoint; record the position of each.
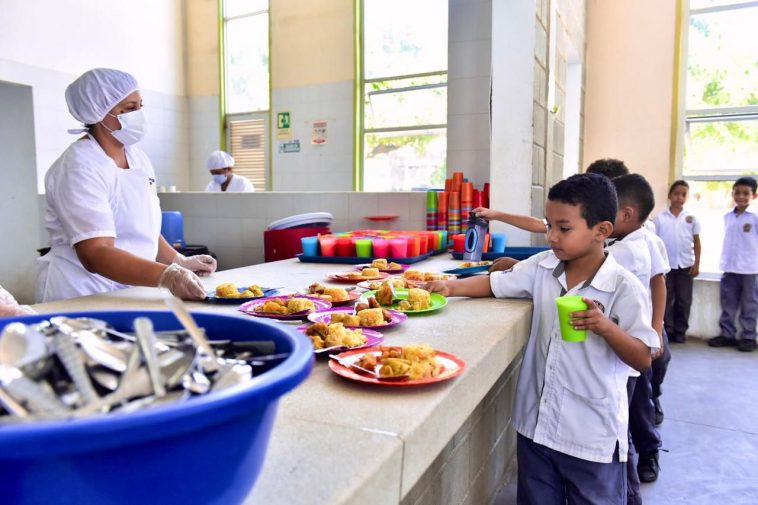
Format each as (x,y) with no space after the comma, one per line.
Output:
(363,247)
(567,305)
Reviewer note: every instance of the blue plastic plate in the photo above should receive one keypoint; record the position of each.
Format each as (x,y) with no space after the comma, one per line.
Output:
(212,298)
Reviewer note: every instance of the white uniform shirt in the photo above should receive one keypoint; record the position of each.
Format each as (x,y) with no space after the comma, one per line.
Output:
(678,234)
(89,196)
(238,184)
(659,262)
(739,254)
(572,395)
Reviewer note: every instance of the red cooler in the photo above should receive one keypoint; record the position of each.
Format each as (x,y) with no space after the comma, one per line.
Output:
(281,240)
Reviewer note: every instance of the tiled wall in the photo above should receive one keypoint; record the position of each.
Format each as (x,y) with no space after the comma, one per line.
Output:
(469,65)
(203,138)
(480,458)
(232,224)
(326,167)
(166,141)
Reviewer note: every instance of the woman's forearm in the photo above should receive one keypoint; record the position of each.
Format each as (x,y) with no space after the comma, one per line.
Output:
(100,256)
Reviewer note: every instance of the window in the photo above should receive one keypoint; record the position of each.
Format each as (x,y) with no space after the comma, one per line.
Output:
(720,131)
(246,87)
(404,90)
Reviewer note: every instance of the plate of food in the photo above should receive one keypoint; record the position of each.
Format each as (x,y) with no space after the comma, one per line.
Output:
(233,294)
(420,277)
(398,282)
(337,296)
(470,267)
(371,318)
(366,274)
(389,267)
(407,301)
(336,338)
(289,307)
(397,366)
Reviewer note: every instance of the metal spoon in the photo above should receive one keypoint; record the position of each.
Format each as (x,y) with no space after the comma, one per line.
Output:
(182,314)
(144,329)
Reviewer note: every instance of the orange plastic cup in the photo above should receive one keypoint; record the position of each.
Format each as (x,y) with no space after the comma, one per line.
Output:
(414,246)
(459,242)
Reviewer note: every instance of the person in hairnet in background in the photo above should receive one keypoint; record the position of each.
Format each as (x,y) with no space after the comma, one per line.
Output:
(220,164)
(103,216)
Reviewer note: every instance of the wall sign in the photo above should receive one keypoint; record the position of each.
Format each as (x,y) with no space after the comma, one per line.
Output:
(318,133)
(291,146)
(283,126)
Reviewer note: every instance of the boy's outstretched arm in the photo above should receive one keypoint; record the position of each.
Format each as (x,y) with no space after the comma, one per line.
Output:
(632,351)
(527,223)
(473,287)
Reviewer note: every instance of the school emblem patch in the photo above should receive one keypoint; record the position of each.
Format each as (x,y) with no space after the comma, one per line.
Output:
(747,227)
(690,219)
(599,305)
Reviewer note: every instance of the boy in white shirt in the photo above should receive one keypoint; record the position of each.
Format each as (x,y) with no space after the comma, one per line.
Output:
(571,407)
(680,231)
(739,261)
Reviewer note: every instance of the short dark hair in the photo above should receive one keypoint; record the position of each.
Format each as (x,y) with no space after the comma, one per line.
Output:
(746,181)
(634,190)
(593,192)
(679,182)
(609,167)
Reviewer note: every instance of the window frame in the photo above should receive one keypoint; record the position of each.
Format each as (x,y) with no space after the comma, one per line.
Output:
(225,118)
(360,95)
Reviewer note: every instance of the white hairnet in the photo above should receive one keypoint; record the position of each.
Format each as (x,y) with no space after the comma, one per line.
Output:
(219,159)
(96,92)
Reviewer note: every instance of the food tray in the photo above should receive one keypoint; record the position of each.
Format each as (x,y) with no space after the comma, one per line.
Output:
(519,253)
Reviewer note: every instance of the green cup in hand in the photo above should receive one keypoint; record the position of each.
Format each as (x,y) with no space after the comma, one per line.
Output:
(567,305)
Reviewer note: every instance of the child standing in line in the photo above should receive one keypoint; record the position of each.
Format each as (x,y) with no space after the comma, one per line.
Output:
(680,231)
(571,406)
(739,261)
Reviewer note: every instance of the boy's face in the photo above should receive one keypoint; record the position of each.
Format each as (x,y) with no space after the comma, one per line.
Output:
(742,196)
(568,234)
(678,196)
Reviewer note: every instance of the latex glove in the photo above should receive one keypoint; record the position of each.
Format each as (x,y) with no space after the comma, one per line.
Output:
(182,283)
(12,309)
(202,264)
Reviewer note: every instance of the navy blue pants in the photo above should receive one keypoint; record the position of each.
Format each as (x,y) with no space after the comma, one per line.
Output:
(660,366)
(547,477)
(642,415)
(678,302)
(738,291)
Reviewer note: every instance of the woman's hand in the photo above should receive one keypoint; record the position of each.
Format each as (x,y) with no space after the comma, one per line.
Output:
(201,264)
(182,283)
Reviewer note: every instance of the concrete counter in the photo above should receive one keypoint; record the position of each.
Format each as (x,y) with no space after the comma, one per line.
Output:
(336,441)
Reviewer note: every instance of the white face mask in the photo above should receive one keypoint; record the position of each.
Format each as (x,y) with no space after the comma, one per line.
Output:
(133,127)
(220,179)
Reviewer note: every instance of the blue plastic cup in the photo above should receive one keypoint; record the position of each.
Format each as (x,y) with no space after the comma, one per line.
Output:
(310,246)
(498,241)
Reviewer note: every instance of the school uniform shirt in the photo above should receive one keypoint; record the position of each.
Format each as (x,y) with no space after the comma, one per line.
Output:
(572,395)
(739,254)
(89,196)
(678,235)
(632,252)
(238,184)
(659,261)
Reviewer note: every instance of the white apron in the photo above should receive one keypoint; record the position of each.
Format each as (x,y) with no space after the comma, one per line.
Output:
(89,196)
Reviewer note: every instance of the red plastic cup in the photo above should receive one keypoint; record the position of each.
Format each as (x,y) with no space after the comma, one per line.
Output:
(345,246)
(328,245)
(459,242)
(414,246)
(381,248)
(398,247)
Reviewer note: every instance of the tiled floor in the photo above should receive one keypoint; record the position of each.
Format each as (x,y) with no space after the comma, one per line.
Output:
(710,397)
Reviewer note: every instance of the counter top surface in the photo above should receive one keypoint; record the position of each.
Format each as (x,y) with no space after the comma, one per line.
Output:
(335,441)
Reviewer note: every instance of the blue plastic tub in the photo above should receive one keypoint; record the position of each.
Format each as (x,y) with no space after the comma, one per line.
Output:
(205,450)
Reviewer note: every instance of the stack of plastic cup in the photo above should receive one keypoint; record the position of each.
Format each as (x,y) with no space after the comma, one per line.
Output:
(454,213)
(442,204)
(431,210)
